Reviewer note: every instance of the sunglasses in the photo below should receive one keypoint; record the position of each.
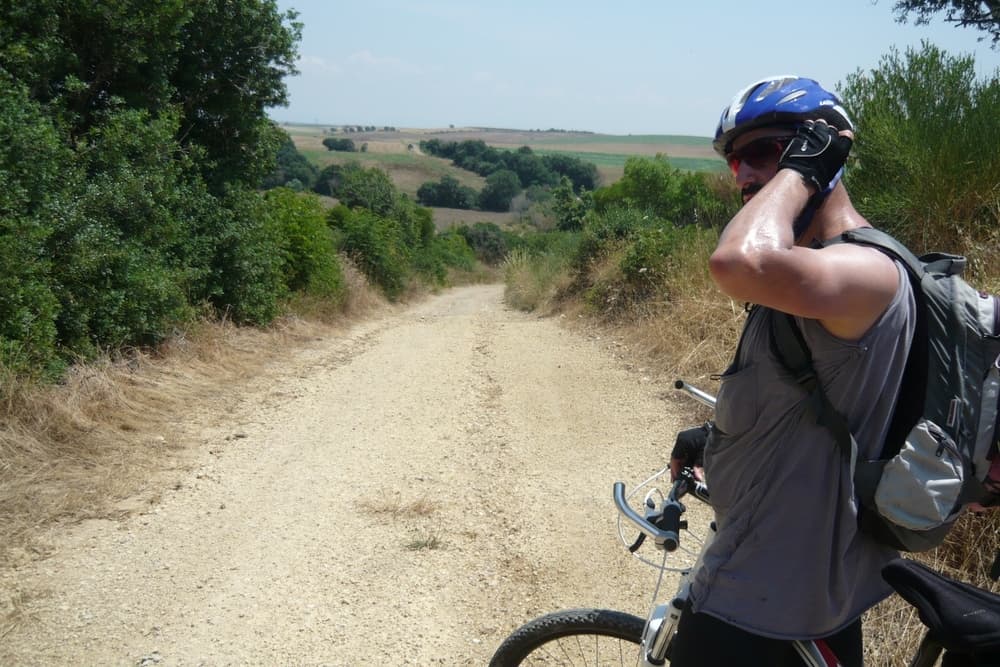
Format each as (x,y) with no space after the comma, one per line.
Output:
(759,153)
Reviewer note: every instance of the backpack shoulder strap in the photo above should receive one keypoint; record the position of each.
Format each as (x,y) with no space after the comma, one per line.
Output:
(913,386)
(876,238)
(790,348)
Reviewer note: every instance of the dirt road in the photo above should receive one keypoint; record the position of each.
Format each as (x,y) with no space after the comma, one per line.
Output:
(406,494)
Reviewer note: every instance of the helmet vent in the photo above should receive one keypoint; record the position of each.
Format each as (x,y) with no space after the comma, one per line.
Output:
(774,85)
(790,97)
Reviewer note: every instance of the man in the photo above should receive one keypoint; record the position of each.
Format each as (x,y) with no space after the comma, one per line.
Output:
(788,562)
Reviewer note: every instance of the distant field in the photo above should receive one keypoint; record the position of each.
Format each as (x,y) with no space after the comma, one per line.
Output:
(398,154)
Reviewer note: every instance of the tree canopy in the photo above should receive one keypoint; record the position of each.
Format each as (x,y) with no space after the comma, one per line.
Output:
(979,14)
(220,64)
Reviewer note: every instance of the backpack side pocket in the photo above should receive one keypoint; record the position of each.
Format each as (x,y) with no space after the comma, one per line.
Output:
(921,486)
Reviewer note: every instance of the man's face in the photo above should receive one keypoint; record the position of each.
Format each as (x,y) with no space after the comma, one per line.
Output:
(754,158)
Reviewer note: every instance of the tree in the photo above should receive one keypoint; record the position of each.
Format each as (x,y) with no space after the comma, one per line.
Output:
(333,144)
(232,59)
(447,192)
(501,187)
(570,209)
(979,14)
(292,166)
(220,62)
(356,186)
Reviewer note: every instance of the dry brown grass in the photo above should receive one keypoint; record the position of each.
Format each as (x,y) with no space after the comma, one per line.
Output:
(75,450)
(446,218)
(892,629)
(394,506)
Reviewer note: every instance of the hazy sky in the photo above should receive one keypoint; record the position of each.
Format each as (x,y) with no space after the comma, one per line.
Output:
(624,67)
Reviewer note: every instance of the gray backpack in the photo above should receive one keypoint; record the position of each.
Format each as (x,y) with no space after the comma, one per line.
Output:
(943,431)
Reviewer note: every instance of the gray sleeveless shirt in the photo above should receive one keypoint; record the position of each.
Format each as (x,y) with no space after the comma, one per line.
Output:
(788,561)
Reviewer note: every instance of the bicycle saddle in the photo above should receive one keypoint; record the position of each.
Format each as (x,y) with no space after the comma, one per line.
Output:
(959,616)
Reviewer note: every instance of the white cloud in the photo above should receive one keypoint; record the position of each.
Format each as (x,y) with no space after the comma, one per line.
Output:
(367,59)
(317,64)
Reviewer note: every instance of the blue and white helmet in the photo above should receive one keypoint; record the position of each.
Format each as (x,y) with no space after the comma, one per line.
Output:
(778,100)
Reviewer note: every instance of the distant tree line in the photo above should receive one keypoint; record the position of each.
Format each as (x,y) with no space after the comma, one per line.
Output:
(362,128)
(507,173)
(531,169)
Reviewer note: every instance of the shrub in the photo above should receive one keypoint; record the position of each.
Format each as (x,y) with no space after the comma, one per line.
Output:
(487,240)
(377,244)
(333,144)
(292,168)
(28,308)
(247,282)
(447,192)
(356,186)
(126,252)
(925,163)
(36,172)
(309,260)
(501,187)
(609,228)
(652,256)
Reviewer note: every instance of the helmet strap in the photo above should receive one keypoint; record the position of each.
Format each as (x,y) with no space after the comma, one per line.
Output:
(802,222)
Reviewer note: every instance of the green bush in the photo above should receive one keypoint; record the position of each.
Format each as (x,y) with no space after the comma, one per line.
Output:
(454,251)
(651,256)
(309,260)
(126,252)
(333,144)
(37,174)
(501,187)
(293,170)
(356,186)
(684,198)
(378,246)
(247,282)
(610,228)
(925,162)
(447,192)
(487,240)
(28,308)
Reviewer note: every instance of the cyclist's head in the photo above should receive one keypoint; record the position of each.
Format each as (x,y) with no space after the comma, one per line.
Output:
(780,102)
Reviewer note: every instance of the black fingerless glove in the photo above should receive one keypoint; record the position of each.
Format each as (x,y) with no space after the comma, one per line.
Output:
(690,445)
(817,152)
(991,497)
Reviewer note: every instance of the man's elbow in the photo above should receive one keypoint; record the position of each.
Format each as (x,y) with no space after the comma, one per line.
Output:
(732,272)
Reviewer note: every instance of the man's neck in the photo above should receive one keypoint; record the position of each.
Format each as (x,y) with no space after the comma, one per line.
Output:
(836,215)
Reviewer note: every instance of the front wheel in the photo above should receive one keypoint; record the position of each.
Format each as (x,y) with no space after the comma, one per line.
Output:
(574,637)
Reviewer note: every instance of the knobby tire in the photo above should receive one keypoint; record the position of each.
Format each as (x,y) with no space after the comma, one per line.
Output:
(589,637)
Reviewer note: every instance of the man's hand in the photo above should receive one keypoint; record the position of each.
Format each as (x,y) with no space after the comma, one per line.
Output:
(817,152)
(992,484)
(689,451)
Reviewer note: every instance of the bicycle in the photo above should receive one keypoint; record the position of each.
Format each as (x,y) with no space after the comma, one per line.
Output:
(608,637)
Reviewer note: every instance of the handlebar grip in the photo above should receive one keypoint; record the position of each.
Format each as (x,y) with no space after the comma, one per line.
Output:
(672,513)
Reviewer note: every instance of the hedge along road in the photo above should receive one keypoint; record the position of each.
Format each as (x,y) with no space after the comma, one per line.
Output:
(405,494)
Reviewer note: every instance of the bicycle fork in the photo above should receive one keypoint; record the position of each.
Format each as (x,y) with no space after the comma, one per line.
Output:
(662,622)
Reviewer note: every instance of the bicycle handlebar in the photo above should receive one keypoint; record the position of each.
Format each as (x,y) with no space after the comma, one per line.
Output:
(699,395)
(666,537)
(663,524)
